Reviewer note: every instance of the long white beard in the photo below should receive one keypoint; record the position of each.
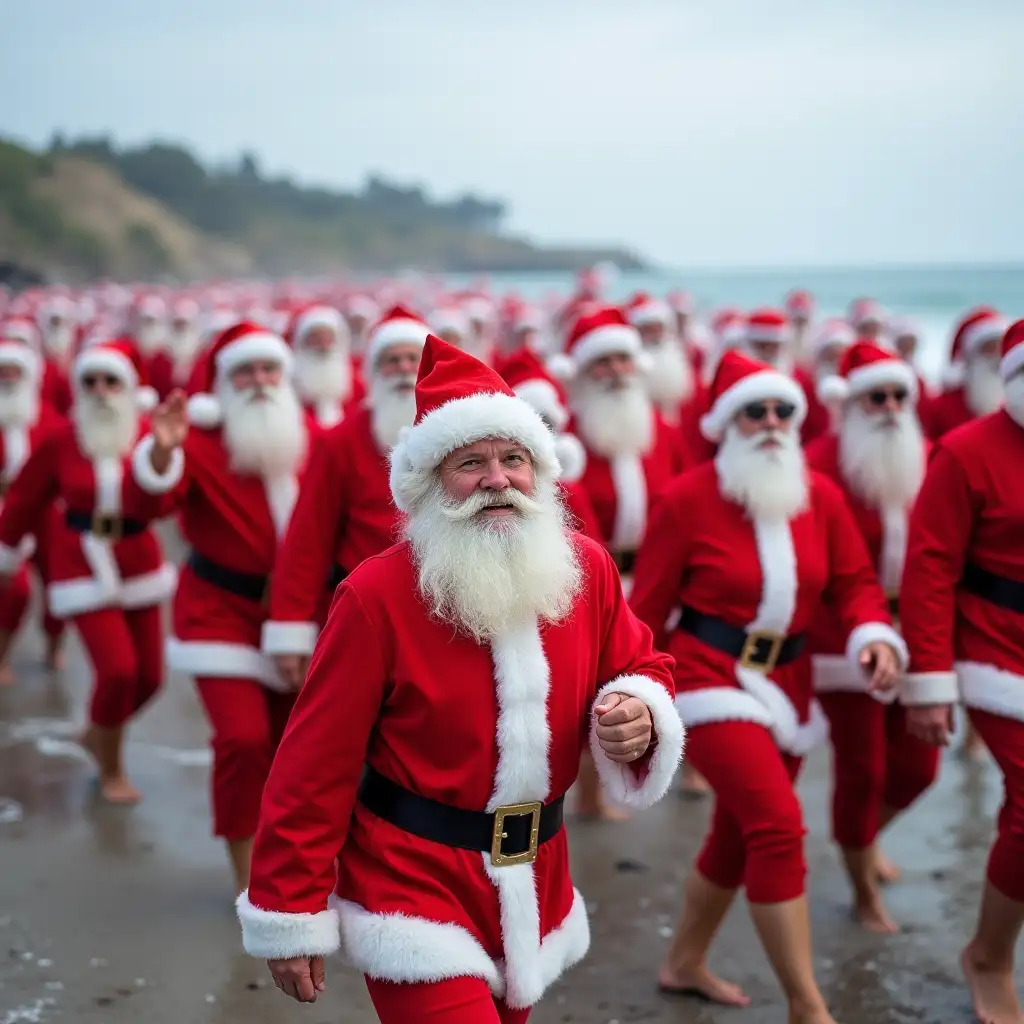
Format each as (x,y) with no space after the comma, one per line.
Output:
(322,376)
(151,338)
(19,404)
(106,427)
(770,483)
(266,437)
(57,341)
(390,408)
(184,347)
(670,376)
(1014,391)
(983,386)
(883,460)
(485,577)
(614,422)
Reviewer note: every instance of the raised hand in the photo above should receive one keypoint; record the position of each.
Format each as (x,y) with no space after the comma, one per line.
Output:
(169,421)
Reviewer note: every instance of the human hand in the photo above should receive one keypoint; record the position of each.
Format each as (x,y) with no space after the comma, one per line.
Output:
(624,727)
(169,422)
(300,977)
(932,723)
(292,669)
(881,664)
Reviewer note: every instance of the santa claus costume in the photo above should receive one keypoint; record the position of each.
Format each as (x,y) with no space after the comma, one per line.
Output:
(452,887)
(632,453)
(172,364)
(878,460)
(746,549)
(345,512)
(962,609)
(106,570)
(799,307)
(973,385)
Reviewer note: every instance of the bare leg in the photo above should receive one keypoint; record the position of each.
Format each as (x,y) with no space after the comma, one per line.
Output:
(988,959)
(54,659)
(7,676)
(785,931)
(240,854)
(868,908)
(973,747)
(886,870)
(105,745)
(692,783)
(590,802)
(685,971)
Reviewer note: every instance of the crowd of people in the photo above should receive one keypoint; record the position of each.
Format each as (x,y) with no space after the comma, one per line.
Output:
(450,553)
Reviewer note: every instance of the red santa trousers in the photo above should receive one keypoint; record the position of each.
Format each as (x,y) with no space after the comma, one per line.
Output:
(14,595)
(126,650)
(248,722)
(1004,737)
(52,626)
(876,763)
(757,831)
(453,1001)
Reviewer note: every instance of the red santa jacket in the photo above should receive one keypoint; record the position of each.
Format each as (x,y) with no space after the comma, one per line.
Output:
(55,389)
(703,552)
(232,520)
(818,420)
(623,490)
(471,725)
(969,516)
(98,568)
(945,412)
(344,514)
(577,501)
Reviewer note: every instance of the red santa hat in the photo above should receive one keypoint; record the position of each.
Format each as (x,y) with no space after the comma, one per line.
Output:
(240,343)
(598,332)
(398,326)
(799,303)
(865,311)
(20,346)
(310,317)
(833,333)
(864,367)
(680,301)
(363,307)
(120,358)
(461,400)
(740,380)
(770,325)
(979,326)
(643,309)
(1012,360)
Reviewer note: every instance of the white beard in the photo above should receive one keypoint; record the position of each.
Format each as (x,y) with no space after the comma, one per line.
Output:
(783,362)
(265,437)
(150,338)
(391,409)
(983,387)
(1014,391)
(670,376)
(184,347)
(484,578)
(883,462)
(57,341)
(322,376)
(106,428)
(613,423)
(770,483)
(19,404)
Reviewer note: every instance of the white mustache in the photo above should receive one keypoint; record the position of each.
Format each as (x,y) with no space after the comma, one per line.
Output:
(479,500)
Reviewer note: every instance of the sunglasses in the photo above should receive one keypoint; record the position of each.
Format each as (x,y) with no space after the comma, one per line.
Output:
(881,397)
(90,380)
(757,411)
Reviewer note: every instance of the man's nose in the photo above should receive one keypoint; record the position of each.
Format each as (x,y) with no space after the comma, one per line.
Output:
(495,478)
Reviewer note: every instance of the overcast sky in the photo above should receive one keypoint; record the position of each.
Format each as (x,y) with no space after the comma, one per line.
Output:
(702,132)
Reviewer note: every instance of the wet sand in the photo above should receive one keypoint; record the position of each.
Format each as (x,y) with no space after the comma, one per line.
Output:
(110,916)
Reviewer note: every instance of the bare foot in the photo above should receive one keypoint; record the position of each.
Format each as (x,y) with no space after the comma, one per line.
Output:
(700,983)
(886,870)
(873,917)
(119,791)
(54,660)
(992,992)
(7,676)
(972,749)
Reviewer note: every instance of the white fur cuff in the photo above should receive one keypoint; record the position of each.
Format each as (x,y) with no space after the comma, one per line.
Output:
(620,780)
(929,688)
(147,477)
(872,633)
(289,637)
(272,935)
(10,558)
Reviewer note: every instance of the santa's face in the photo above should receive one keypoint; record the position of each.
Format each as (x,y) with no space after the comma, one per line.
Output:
(323,370)
(774,353)
(669,373)
(264,428)
(760,464)
(983,386)
(881,447)
(491,544)
(906,346)
(105,416)
(653,333)
(614,414)
(19,397)
(58,337)
(827,362)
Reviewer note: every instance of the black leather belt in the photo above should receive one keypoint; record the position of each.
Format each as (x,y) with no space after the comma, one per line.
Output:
(624,561)
(103,525)
(241,584)
(996,589)
(511,834)
(337,577)
(761,651)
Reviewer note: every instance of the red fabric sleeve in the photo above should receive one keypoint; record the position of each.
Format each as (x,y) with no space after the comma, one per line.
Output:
(32,491)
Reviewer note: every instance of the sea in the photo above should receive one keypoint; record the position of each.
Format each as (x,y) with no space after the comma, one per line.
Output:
(934,296)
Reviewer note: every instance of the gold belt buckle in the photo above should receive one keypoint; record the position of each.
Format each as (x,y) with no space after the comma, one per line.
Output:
(751,648)
(107,527)
(529,855)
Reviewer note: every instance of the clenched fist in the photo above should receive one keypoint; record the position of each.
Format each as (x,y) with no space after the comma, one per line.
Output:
(624,727)
(301,977)
(169,422)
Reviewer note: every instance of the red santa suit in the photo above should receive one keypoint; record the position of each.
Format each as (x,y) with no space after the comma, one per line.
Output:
(470,725)
(962,602)
(756,584)
(232,522)
(876,763)
(106,570)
